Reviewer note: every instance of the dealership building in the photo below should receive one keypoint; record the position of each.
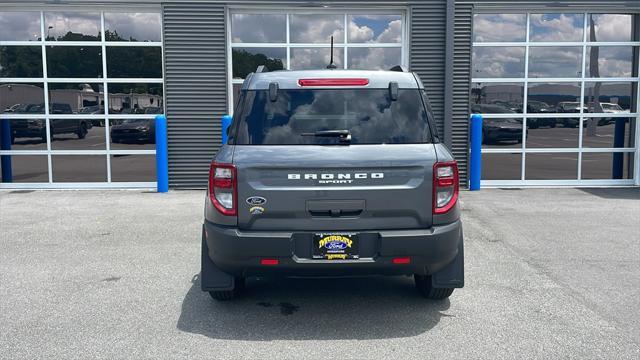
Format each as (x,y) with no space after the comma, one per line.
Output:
(82,81)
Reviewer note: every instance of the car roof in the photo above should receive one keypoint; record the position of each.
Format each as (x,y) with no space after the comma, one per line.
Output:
(287,79)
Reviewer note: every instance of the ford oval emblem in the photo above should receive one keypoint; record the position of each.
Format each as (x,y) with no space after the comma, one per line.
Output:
(335,245)
(256,200)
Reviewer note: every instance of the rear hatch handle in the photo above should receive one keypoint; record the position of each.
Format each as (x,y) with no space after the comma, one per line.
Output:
(335,208)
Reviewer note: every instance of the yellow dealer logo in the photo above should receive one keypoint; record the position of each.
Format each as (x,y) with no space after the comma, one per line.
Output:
(335,242)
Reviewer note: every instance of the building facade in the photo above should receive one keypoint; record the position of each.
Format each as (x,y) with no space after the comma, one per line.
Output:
(81,82)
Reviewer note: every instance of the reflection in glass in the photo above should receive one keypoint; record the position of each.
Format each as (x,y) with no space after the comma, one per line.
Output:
(609,61)
(72,98)
(501,166)
(316,28)
(20,61)
(72,26)
(375,28)
(258,28)
(74,61)
(132,134)
(79,168)
(602,97)
(314,58)
(609,27)
(499,27)
(236,94)
(551,133)
(23,134)
(501,132)
(555,61)
(494,62)
(605,166)
(374,58)
(551,166)
(133,168)
(246,60)
(20,26)
(608,132)
(132,98)
(76,134)
(503,97)
(27,168)
(559,97)
(132,26)
(20,98)
(134,62)
(556,27)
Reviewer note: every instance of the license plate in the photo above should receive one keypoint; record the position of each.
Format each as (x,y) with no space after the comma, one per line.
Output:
(335,246)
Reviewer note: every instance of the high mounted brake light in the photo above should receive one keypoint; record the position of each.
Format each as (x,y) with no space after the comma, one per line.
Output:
(334,82)
(445,186)
(223,188)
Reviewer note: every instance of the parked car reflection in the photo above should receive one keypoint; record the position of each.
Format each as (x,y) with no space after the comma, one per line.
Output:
(141,131)
(497,130)
(96,109)
(539,107)
(570,107)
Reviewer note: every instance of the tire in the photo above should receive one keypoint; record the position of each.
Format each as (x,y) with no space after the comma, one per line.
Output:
(423,284)
(226,295)
(82,131)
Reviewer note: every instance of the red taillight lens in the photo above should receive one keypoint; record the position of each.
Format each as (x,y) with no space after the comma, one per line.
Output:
(223,188)
(334,82)
(401,260)
(445,186)
(269,262)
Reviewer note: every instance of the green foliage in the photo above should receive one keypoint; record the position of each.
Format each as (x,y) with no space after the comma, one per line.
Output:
(20,61)
(245,62)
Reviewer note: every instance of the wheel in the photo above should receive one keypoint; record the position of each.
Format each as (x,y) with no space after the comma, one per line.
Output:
(229,294)
(423,284)
(82,131)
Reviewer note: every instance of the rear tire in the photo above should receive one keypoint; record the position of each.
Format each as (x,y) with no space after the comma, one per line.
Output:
(423,284)
(226,295)
(82,131)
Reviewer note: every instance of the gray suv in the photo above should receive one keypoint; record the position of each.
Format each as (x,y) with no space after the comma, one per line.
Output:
(332,173)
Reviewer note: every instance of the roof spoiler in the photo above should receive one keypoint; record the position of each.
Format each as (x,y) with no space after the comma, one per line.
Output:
(262,69)
(399,68)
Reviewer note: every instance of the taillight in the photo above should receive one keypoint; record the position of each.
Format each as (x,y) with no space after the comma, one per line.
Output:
(223,188)
(334,82)
(445,186)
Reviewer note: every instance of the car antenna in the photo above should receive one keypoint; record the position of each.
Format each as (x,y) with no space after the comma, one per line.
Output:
(331,64)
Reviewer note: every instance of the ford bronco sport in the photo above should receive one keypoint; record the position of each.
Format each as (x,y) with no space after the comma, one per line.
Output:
(332,173)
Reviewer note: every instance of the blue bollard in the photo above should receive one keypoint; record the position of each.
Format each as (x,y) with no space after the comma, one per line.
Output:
(226,122)
(5,144)
(162,157)
(475,166)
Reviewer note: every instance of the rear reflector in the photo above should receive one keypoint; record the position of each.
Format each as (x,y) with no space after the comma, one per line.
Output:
(269,262)
(401,260)
(334,82)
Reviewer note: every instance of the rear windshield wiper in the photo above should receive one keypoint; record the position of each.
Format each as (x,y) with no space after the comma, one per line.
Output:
(344,135)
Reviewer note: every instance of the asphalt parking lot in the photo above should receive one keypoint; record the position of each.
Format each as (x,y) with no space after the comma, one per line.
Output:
(550,273)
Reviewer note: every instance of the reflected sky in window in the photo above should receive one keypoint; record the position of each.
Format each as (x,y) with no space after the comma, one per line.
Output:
(20,26)
(556,27)
(499,27)
(375,28)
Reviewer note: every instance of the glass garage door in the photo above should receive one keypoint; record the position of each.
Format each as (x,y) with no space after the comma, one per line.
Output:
(78,94)
(559,95)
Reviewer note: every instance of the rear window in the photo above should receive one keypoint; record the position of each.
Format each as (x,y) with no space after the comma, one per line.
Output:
(370,116)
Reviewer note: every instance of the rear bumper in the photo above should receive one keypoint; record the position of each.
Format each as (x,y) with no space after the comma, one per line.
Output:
(239,252)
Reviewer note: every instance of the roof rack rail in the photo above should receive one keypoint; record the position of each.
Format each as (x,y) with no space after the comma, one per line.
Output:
(262,68)
(399,68)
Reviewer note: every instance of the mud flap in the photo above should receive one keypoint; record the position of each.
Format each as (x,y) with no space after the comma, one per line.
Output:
(211,277)
(452,275)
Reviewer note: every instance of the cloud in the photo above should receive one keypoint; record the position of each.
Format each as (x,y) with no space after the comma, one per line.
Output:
(503,27)
(559,27)
(495,62)
(60,23)
(316,28)
(611,27)
(140,26)
(555,61)
(257,28)
(380,29)
(374,58)
(19,26)
(314,58)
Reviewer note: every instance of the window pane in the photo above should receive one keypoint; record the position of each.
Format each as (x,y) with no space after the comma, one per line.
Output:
(247,60)
(20,61)
(499,27)
(132,134)
(375,28)
(560,97)
(135,98)
(608,132)
(24,134)
(555,61)
(28,169)
(609,61)
(132,26)
(72,98)
(316,28)
(72,26)
(20,26)
(551,166)
(133,168)
(76,134)
(22,98)
(314,58)
(374,58)
(134,62)
(609,27)
(236,95)
(256,28)
(74,61)
(79,168)
(501,166)
(556,27)
(608,97)
(496,98)
(494,62)
(501,133)
(551,133)
(607,166)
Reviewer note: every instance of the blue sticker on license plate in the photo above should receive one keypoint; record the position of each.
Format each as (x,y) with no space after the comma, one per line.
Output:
(335,246)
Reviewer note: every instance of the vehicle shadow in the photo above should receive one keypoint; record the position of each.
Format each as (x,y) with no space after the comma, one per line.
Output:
(313,309)
(614,193)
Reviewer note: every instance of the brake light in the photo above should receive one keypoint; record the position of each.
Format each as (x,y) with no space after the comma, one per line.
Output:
(334,82)
(445,186)
(223,188)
